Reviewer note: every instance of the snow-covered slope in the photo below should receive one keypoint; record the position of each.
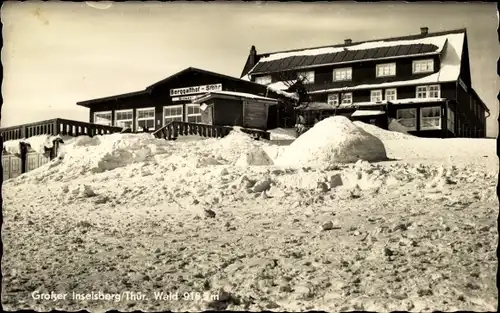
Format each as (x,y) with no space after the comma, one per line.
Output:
(129,212)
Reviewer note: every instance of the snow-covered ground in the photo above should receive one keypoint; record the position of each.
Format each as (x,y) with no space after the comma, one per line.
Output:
(221,219)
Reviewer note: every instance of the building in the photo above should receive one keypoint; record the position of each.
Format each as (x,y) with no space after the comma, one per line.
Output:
(422,81)
(170,100)
(238,109)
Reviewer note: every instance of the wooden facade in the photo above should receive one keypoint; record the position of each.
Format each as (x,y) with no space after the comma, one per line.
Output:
(171,100)
(461,111)
(239,110)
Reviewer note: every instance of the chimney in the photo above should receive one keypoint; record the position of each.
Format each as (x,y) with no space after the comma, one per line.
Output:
(253,56)
(347,41)
(424,30)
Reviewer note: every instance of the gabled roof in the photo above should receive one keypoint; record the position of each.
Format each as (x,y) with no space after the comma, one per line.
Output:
(194,69)
(150,88)
(413,45)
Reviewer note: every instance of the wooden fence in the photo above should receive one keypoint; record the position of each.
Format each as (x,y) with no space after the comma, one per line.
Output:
(57,126)
(174,129)
(27,160)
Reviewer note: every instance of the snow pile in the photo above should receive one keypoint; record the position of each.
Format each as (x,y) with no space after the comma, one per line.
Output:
(256,156)
(383,134)
(12,146)
(37,143)
(283,133)
(101,153)
(395,126)
(333,140)
(231,146)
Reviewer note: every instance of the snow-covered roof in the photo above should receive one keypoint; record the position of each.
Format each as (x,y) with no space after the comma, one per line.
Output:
(280,87)
(367,112)
(449,45)
(232,93)
(355,105)
(438,41)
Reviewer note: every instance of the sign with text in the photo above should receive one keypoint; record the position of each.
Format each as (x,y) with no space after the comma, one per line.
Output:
(185,98)
(195,89)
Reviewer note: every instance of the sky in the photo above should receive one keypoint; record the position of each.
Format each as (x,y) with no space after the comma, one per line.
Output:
(56,54)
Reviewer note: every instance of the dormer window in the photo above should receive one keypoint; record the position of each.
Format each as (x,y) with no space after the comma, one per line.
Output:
(387,69)
(263,80)
(423,66)
(340,74)
(376,96)
(306,77)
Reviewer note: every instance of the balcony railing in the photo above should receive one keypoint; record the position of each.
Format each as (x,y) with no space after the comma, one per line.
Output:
(55,127)
(174,129)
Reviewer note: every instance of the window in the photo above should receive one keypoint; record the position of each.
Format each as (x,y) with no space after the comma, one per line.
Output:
(407,118)
(308,77)
(451,120)
(387,69)
(347,98)
(146,119)
(430,118)
(391,94)
(124,118)
(376,96)
(193,113)
(342,74)
(172,113)
(103,118)
(423,66)
(333,99)
(431,91)
(263,80)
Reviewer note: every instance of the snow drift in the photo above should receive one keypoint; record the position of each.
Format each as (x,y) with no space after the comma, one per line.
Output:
(333,140)
(397,132)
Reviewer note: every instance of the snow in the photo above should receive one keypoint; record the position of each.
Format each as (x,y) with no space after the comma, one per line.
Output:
(333,140)
(279,88)
(438,41)
(395,126)
(280,85)
(37,143)
(385,135)
(367,112)
(283,133)
(417,232)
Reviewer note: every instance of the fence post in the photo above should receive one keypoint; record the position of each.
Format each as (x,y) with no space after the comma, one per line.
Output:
(23,147)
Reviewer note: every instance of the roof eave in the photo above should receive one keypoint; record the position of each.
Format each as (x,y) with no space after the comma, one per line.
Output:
(88,103)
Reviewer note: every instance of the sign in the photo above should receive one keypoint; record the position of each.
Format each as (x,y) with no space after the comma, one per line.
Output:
(185,98)
(195,89)
(461,82)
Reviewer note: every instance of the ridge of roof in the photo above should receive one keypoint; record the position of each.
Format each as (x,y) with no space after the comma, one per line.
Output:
(407,37)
